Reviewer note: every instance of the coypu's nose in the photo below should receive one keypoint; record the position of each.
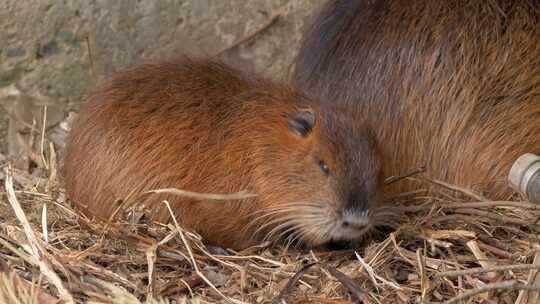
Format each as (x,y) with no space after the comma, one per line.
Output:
(356,199)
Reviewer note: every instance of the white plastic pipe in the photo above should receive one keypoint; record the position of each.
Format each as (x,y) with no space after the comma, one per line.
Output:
(524,176)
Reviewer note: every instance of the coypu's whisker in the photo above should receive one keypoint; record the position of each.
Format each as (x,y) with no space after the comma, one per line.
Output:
(299,231)
(275,226)
(291,223)
(285,220)
(280,222)
(316,234)
(292,209)
(287,209)
(312,229)
(288,214)
(272,212)
(277,229)
(290,229)
(290,206)
(295,236)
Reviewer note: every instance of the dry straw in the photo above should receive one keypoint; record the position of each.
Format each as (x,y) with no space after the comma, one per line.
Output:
(456,247)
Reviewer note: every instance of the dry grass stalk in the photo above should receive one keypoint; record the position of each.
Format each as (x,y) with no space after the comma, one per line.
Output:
(204,196)
(533,279)
(42,139)
(15,291)
(39,254)
(251,35)
(512,285)
(193,261)
(482,258)
(481,270)
(291,283)
(458,189)
(151,258)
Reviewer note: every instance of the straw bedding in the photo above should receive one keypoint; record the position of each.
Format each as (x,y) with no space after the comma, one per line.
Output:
(456,247)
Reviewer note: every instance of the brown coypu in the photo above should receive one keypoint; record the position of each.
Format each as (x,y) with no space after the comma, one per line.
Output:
(453,85)
(202,126)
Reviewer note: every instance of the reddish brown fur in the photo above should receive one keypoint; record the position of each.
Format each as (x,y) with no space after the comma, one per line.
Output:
(204,127)
(453,85)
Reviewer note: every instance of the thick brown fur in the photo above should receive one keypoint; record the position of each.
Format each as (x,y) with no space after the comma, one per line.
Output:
(450,84)
(205,127)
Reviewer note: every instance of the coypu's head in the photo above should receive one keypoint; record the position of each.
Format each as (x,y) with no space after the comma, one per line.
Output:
(325,179)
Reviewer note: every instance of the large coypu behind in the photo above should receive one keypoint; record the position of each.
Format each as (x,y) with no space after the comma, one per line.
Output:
(453,85)
(204,127)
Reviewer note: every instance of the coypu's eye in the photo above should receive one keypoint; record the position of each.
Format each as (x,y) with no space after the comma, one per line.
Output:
(324,167)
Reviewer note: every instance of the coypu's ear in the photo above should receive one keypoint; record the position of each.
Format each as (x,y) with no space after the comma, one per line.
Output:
(302,122)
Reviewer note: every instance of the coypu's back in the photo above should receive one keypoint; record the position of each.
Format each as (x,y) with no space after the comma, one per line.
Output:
(172,124)
(205,127)
(450,84)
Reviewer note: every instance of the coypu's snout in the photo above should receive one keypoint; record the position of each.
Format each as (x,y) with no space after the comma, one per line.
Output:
(354,214)
(358,191)
(352,219)
(350,225)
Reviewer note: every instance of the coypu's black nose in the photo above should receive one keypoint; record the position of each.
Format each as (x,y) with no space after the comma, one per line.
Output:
(355,211)
(357,199)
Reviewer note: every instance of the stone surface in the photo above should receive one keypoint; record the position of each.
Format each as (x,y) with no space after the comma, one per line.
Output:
(61,49)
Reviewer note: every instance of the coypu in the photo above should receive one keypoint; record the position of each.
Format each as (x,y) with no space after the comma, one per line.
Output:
(205,127)
(452,85)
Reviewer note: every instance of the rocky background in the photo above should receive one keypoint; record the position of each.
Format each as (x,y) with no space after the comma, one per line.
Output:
(52,52)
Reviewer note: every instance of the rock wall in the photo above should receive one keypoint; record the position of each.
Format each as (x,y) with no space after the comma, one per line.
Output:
(60,49)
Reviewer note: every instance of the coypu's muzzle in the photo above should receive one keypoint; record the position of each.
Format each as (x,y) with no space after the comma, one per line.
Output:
(354,219)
